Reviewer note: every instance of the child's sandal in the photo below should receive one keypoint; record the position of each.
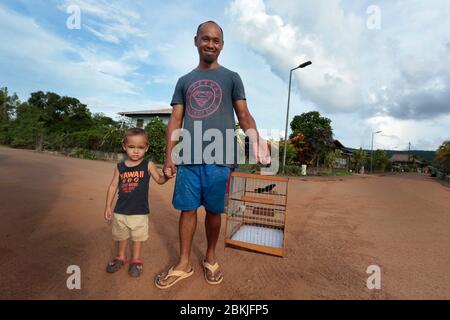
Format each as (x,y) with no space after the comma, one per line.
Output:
(136,268)
(115,265)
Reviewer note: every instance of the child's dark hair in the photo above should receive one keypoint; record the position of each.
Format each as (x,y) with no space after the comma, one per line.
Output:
(134,132)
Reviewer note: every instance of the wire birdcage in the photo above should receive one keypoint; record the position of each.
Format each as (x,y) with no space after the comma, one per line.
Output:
(256,212)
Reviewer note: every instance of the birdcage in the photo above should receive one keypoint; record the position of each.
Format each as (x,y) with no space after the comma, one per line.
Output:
(256,212)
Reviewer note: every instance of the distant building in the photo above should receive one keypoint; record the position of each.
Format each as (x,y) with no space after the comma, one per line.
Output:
(346,154)
(405,162)
(142,118)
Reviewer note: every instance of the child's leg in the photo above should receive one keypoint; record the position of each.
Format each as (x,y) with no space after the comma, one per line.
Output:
(136,264)
(137,247)
(122,249)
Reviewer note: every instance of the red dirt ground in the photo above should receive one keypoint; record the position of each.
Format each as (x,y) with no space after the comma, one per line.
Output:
(52,217)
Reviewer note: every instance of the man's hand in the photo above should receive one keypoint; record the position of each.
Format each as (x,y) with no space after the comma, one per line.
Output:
(262,151)
(108,214)
(169,168)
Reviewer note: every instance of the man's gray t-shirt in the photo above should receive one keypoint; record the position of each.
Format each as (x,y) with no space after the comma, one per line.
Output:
(207,96)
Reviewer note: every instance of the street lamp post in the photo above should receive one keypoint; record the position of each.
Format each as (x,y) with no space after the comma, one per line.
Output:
(287,112)
(371,151)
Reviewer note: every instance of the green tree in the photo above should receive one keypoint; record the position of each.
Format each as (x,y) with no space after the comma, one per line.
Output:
(443,156)
(156,130)
(290,152)
(99,119)
(308,122)
(8,106)
(331,158)
(359,159)
(300,146)
(380,160)
(26,126)
(113,136)
(317,133)
(60,115)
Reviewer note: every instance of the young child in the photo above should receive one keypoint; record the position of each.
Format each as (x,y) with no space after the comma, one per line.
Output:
(132,178)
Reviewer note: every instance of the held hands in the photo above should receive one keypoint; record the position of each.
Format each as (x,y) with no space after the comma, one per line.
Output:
(169,168)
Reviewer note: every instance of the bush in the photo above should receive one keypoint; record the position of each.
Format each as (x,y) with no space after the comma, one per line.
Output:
(156,130)
(82,153)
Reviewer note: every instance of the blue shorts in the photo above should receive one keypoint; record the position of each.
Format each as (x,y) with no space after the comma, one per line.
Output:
(201,184)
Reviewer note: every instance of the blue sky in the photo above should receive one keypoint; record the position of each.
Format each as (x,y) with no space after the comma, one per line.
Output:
(387,69)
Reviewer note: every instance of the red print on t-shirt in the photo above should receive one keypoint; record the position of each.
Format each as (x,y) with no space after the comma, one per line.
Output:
(203,98)
(130,180)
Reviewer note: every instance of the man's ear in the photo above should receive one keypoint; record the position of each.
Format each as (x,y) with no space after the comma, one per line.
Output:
(195,41)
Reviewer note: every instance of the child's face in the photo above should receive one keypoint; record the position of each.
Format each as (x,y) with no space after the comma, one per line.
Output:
(136,147)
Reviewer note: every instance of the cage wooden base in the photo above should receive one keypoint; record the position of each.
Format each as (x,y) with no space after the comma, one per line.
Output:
(258,238)
(254,247)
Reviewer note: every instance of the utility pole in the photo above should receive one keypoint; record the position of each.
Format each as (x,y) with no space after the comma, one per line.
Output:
(371,151)
(305,64)
(409,153)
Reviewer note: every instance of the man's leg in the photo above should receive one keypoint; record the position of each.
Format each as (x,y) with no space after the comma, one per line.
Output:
(216,178)
(212,227)
(187,226)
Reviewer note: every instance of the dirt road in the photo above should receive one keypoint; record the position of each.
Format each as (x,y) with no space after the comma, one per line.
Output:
(51,217)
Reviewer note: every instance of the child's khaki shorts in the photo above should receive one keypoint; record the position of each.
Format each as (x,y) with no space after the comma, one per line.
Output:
(130,226)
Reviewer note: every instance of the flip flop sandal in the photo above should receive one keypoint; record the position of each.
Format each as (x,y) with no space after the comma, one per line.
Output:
(136,268)
(115,265)
(173,273)
(212,268)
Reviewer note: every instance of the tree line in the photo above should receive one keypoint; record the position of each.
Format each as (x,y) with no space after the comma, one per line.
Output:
(48,121)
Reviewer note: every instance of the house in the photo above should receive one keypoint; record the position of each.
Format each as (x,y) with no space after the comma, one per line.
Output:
(346,153)
(142,118)
(405,162)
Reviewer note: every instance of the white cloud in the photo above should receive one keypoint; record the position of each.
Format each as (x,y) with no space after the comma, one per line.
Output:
(45,61)
(396,134)
(110,21)
(390,71)
(286,45)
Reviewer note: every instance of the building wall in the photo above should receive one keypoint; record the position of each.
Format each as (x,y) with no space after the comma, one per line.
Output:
(148,118)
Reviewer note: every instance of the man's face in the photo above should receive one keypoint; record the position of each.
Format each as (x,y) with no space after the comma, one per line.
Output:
(209,42)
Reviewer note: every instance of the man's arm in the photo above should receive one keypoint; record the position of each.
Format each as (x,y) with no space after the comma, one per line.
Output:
(245,119)
(175,122)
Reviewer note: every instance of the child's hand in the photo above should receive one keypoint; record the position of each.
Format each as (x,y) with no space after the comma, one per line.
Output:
(108,214)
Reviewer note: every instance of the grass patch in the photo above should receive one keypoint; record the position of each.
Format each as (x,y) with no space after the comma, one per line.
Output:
(334,174)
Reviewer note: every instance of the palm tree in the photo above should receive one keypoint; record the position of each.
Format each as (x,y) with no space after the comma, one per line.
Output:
(359,158)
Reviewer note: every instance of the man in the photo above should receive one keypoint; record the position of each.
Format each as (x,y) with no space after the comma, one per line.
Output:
(204,98)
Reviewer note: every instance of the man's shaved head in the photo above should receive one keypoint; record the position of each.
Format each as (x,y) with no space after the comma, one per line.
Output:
(210,21)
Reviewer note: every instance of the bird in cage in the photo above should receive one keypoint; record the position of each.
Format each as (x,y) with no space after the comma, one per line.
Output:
(267,188)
